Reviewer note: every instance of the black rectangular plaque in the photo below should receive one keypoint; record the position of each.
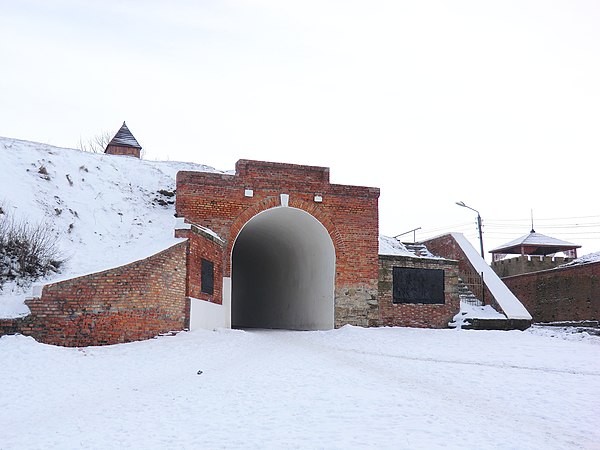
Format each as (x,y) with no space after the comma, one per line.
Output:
(207,277)
(412,285)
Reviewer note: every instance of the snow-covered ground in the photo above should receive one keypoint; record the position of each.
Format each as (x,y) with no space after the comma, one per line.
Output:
(105,210)
(468,311)
(396,388)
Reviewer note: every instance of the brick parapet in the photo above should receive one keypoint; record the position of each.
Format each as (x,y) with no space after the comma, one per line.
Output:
(527,263)
(251,169)
(131,302)
(295,181)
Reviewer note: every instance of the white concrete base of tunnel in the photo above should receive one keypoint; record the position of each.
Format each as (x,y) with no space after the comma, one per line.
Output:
(283,272)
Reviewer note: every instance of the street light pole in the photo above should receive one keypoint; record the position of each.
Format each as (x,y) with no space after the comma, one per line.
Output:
(478,226)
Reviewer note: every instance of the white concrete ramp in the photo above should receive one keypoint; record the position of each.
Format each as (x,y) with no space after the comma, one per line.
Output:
(511,306)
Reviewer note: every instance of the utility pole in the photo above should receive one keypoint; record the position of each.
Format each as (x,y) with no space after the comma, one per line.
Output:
(478,226)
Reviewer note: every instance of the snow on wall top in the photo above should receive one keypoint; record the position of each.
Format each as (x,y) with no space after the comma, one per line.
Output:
(392,246)
(124,138)
(137,253)
(181,224)
(511,306)
(105,210)
(585,259)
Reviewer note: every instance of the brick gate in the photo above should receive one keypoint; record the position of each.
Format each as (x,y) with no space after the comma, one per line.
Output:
(218,206)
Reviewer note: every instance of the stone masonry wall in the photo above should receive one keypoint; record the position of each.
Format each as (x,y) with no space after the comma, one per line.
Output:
(565,294)
(417,315)
(349,213)
(525,264)
(136,301)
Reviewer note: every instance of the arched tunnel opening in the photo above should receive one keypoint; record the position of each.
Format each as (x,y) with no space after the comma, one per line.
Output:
(283,272)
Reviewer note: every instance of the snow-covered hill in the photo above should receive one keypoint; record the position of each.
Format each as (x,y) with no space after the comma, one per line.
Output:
(105,210)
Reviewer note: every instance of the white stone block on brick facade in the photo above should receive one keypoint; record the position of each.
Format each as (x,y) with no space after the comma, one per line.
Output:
(285,199)
(181,225)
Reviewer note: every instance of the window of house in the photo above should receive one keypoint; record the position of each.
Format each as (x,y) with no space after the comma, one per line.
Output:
(207,277)
(412,285)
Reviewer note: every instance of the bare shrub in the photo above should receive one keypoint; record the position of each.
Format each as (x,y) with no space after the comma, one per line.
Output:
(27,251)
(97,144)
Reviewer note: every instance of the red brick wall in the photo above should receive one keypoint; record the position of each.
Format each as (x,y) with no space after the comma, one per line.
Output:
(447,247)
(203,246)
(9,326)
(349,213)
(566,294)
(128,303)
(417,315)
(120,150)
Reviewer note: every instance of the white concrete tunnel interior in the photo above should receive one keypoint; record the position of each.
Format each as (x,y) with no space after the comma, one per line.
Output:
(283,272)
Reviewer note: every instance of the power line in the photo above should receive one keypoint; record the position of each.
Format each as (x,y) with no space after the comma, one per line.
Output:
(448,227)
(528,220)
(577,225)
(581,229)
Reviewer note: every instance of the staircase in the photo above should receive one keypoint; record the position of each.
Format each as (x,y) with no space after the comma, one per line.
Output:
(466,295)
(418,249)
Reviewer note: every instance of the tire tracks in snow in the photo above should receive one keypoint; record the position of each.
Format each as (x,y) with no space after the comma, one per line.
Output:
(470,363)
(316,345)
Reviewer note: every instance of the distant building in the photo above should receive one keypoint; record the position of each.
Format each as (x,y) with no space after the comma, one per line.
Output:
(536,252)
(124,144)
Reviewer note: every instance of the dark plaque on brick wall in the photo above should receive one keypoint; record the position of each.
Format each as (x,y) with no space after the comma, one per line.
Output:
(413,285)
(207,277)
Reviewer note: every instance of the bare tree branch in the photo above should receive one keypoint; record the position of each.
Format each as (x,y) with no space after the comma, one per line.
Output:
(96,144)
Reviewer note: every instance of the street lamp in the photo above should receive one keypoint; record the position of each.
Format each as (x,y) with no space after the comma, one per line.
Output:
(478,225)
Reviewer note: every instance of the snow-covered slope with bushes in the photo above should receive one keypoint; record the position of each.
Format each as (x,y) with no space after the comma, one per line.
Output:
(105,210)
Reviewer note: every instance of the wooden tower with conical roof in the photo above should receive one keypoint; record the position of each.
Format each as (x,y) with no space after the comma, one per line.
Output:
(536,252)
(124,144)
(535,244)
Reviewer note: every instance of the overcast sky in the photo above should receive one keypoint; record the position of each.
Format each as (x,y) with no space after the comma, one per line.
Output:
(496,103)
